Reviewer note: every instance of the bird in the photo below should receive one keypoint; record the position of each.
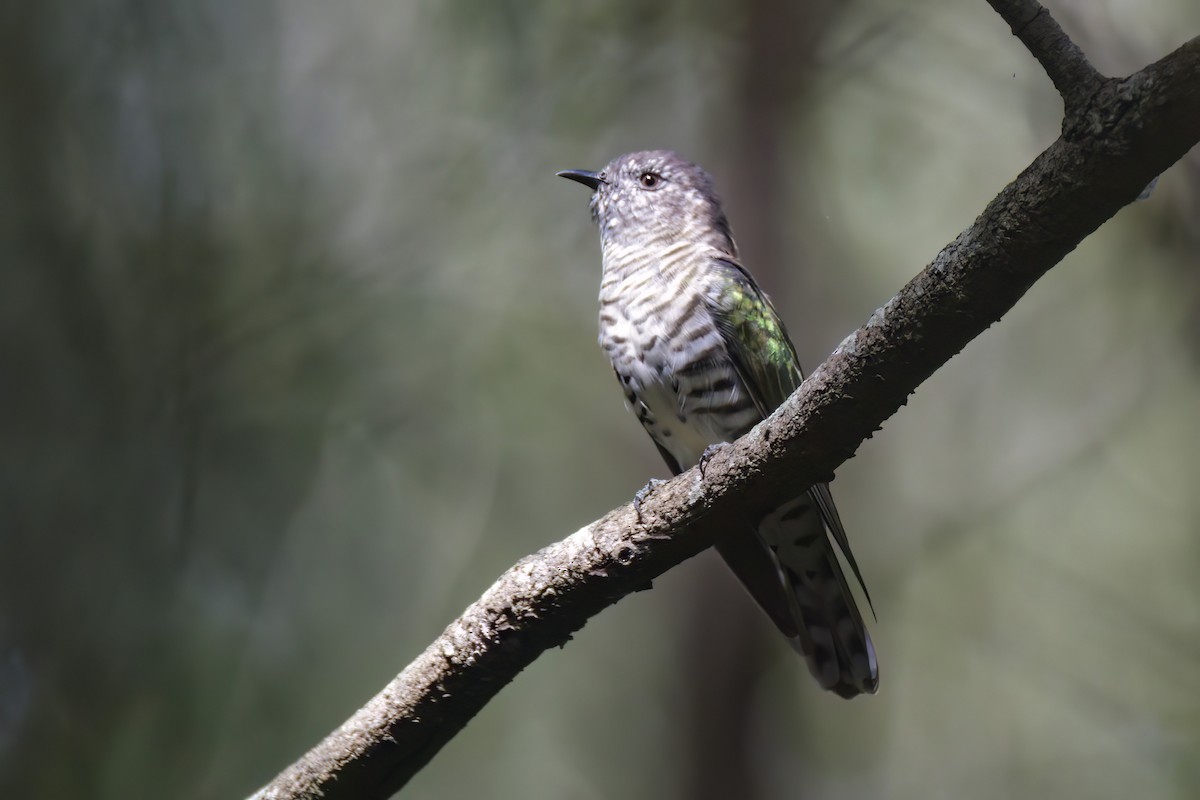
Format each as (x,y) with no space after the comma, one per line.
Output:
(702,357)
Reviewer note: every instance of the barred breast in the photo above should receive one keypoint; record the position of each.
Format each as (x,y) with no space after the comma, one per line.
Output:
(671,359)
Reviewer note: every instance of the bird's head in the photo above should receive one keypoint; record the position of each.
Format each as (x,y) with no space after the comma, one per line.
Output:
(653,197)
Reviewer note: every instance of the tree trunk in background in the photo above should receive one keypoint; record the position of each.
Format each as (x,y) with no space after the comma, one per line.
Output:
(726,651)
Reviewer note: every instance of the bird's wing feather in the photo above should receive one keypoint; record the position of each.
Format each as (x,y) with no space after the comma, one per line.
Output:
(824,500)
(754,336)
(766,361)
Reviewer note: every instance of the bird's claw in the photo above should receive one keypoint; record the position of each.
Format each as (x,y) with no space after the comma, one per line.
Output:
(708,453)
(642,494)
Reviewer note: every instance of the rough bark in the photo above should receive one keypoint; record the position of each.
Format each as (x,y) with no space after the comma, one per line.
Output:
(1117,135)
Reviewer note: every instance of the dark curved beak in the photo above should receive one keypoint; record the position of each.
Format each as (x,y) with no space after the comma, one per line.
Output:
(592,180)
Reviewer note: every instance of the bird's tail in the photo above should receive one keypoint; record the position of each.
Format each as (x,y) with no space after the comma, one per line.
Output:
(792,570)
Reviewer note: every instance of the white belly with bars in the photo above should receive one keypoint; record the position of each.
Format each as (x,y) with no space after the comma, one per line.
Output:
(678,380)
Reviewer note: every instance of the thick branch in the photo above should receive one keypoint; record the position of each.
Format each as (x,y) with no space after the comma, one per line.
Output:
(1128,132)
(1066,65)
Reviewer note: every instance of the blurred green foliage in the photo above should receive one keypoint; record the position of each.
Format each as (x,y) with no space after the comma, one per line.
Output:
(297,354)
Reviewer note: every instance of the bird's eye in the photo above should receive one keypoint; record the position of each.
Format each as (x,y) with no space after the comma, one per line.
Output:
(650,180)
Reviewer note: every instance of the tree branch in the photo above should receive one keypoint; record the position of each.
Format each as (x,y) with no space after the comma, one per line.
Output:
(1068,68)
(1121,135)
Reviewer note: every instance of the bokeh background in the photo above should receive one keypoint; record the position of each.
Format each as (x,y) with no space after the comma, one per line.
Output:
(297,354)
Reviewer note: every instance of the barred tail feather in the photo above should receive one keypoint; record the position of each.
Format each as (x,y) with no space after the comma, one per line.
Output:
(833,639)
(830,633)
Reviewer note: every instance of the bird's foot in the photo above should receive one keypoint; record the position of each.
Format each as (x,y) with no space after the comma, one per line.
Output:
(642,494)
(708,453)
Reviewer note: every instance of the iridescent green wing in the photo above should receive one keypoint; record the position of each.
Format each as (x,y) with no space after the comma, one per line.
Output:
(754,336)
(766,361)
